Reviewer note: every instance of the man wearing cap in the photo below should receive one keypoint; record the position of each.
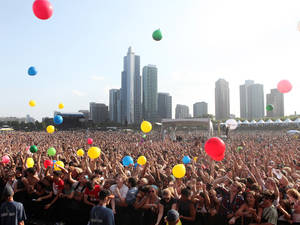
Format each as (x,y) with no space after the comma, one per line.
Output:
(100,215)
(11,212)
(172,218)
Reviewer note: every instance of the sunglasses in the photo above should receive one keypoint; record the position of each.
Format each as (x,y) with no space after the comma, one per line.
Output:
(151,191)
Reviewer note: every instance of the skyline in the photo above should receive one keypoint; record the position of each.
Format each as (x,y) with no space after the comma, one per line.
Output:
(78,52)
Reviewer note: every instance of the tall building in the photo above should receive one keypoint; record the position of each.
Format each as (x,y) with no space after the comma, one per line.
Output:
(181,111)
(277,100)
(115,105)
(164,106)
(244,99)
(98,112)
(222,102)
(200,109)
(131,89)
(255,101)
(150,93)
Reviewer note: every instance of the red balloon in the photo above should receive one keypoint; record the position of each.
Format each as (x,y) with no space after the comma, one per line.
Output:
(90,141)
(215,148)
(284,86)
(42,9)
(48,163)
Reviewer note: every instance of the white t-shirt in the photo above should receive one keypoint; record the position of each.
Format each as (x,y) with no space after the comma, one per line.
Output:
(123,191)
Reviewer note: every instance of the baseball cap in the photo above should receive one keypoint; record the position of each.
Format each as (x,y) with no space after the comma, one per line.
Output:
(172,215)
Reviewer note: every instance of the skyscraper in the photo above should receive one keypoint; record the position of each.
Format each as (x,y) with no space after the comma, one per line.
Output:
(115,105)
(98,112)
(277,100)
(150,93)
(222,102)
(164,106)
(244,99)
(255,101)
(181,111)
(200,109)
(131,89)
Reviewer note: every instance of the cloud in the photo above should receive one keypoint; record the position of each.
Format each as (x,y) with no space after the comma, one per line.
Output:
(78,93)
(97,77)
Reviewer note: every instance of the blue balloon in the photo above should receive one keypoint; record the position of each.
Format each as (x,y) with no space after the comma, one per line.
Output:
(58,119)
(127,160)
(186,159)
(54,161)
(32,71)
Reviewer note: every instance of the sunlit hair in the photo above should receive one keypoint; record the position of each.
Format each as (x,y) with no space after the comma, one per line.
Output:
(293,193)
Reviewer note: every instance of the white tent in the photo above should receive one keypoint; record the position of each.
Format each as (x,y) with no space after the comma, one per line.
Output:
(278,121)
(269,121)
(261,122)
(239,122)
(297,120)
(245,122)
(293,132)
(253,122)
(287,121)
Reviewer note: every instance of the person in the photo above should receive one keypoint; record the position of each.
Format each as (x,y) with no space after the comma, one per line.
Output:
(166,203)
(100,215)
(172,218)
(11,212)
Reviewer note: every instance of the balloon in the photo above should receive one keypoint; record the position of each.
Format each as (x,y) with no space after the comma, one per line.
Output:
(42,9)
(186,159)
(284,86)
(29,162)
(94,152)
(215,148)
(239,148)
(5,159)
(80,152)
(32,71)
(51,151)
(90,141)
(127,160)
(142,160)
(50,129)
(157,36)
(144,136)
(58,163)
(58,119)
(195,158)
(232,124)
(269,107)
(146,126)
(32,103)
(179,171)
(53,162)
(61,106)
(33,149)
(47,163)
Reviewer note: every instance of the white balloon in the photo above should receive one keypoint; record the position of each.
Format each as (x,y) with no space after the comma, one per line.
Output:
(232,124)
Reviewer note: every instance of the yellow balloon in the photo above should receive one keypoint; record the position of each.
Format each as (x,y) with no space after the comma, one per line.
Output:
(142,160)
(32,103)
(50,129)
(61,106)
(80,152)
(58,163)
(195,158)
(29,162)
(179,171)
(94,152)
(146,126)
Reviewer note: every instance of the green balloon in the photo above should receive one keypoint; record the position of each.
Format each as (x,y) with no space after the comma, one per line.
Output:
(144,136)
(157,36)
(33,149)
(270,107)
(239,148)
(51,151)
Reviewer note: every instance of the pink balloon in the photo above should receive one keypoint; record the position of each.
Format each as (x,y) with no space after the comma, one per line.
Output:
(42,9)
(215,148)
(5,159)
(90,141)
(284,86)
(27,148)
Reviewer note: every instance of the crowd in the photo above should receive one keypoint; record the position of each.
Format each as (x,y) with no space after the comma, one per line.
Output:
(258,182)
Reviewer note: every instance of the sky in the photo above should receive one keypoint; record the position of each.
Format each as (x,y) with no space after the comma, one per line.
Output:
(79,51)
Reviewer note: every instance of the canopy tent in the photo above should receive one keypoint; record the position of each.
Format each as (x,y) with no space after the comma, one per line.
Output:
(239,122)
(297,120)
(288,121)
(293,132)
(269,121)
(6,129)
(261,122)
(253,122)
(245,122)
(278,121)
